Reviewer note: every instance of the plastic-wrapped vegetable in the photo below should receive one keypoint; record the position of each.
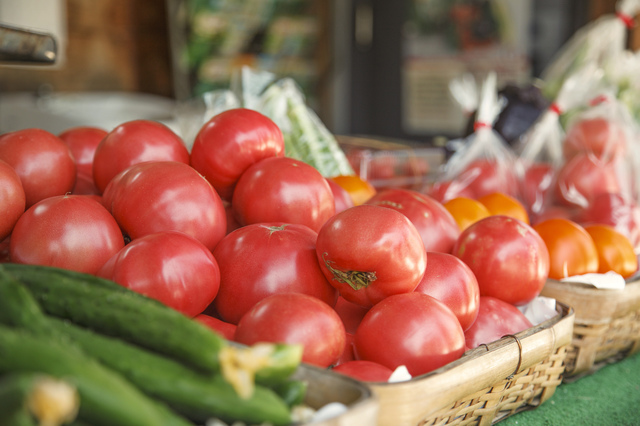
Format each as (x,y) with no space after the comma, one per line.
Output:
(484,164)
(596,42)
(540,149)
(595,180)
(599,141)
(306,138)
(622,72)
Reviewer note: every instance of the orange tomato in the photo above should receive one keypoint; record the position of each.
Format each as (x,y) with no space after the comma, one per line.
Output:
(466,211)
(501,203)
(360,190)
(615,251)
(572,251)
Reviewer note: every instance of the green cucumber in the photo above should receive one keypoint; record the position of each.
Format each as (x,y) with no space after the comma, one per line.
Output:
(17,306)
(120,312)
(106,398)
(17,417)
(283,360)
(293,392)
(14,393)
(26,397)
(197,396)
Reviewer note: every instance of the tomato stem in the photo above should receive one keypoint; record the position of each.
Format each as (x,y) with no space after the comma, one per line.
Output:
(273,229)
(356,279)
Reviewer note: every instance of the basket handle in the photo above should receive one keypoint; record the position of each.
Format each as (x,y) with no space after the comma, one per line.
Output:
(516,371)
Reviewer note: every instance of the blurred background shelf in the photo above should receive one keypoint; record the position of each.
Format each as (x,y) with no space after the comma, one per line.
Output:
(368,67)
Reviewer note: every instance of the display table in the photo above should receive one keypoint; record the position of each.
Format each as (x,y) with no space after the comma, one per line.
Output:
(611,396)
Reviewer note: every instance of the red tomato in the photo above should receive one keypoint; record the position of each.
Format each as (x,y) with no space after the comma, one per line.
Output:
(584,177)
(350,314)
(134,142)
(553,212)
(160,196)
(280,189)
(85,186)
(12,199)
(485,176)
(416,166)
(571,248)
(295,318)
(507,256)
(444,191)
(66,231)
(232,223)
(266,258)
(171,267)
(613,210)
(603,137)
(367,371)
(83,142)
(382,166)
(411,329)
(225,329)
(370,252)
(535,185)
(496,319)
(341,197)
(437,227)
(232,141)
(44,163)
(452,282)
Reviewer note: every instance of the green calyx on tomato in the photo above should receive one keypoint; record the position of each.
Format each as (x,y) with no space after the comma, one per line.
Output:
(356,279)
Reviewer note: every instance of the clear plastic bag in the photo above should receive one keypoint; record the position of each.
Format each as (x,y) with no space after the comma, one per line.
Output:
(540,150)
(484,163)
(596,42)
(464,90)
(622,72)
(596,181)
(306,137)
(601,137)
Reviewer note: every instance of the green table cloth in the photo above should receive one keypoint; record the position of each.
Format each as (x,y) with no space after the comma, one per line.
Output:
(608,397)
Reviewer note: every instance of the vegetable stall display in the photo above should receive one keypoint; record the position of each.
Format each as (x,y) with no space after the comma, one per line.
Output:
(146,320)
(131,284)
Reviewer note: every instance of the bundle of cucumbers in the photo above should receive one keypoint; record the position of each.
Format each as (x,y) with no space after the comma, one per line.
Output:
(119,358)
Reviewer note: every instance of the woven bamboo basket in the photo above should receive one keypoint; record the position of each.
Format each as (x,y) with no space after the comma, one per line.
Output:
(325,387)
(487,384)
(606,327)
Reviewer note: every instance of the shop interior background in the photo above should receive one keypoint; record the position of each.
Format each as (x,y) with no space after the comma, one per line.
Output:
(373,68)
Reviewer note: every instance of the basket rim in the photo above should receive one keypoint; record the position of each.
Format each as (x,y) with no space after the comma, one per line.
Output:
(630,282)
(366,395)
(594,305)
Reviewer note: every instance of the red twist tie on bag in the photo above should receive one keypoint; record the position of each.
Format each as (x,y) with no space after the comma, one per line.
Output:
(554,107)
(480,125)
(628,20)
(598,100)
